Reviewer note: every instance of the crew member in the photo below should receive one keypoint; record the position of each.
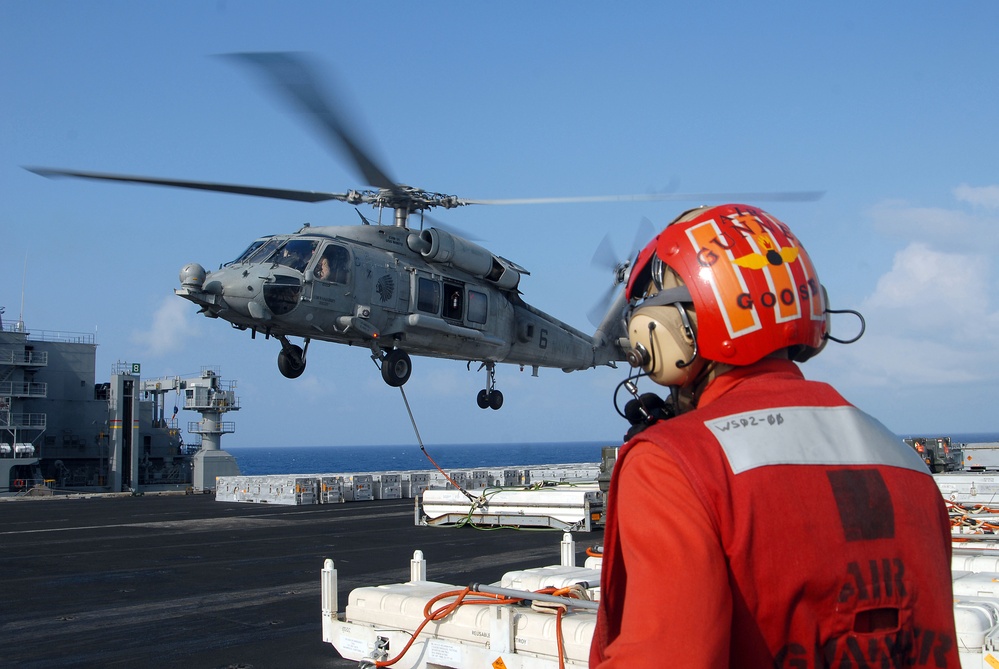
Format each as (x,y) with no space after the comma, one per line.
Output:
(770,523)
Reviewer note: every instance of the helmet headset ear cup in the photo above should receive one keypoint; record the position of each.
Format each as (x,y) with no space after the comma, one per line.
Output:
(665,346)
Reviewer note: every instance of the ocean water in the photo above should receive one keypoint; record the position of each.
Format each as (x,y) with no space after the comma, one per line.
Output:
(331,459)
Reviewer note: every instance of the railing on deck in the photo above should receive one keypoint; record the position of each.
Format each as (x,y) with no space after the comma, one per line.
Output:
(51,335)
(12,357)
(10,389)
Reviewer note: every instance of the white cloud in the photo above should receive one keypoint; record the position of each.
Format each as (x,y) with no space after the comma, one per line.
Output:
(931,318)
(933,224)
(311,389)
(947,229)
(927,286)
(172,326)
(980,196)
(893,360)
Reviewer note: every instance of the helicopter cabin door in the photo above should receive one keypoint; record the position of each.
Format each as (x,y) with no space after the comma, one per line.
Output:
(453,308)
(453,301)
(332,278)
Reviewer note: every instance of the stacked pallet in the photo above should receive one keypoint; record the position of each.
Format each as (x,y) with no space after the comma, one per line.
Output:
(299,489)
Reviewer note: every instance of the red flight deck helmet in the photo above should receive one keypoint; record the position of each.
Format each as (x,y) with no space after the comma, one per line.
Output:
(752,285)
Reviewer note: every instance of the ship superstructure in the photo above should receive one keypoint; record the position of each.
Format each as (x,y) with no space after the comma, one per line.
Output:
(48,403)
(60,429)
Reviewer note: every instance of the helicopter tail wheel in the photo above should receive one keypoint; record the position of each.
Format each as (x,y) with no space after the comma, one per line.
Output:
(291,361)
(396,367)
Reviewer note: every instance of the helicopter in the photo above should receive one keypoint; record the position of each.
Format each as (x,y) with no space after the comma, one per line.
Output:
(398,288)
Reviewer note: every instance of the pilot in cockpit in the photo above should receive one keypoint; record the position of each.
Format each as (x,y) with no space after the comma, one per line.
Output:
(323,270)
(296,254)
(332,266)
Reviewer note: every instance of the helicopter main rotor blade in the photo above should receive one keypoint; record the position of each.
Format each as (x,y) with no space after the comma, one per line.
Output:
(297,82)
(296,79)
(258,191)
(789,196)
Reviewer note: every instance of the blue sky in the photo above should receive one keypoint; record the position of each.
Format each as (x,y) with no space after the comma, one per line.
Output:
(890,108)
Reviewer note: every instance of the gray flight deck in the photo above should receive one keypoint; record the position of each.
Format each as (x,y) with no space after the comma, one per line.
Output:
(173,580)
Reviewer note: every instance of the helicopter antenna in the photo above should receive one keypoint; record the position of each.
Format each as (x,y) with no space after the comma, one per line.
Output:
(19,326)
(364,221)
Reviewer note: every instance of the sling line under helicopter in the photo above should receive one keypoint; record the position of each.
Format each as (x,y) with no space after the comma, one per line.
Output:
(476,501)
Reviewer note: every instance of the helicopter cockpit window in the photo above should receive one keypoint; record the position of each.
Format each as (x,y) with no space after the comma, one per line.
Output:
(249,251)
(261,252)
(333,264)
(428,296)
(478,307)
(296,254)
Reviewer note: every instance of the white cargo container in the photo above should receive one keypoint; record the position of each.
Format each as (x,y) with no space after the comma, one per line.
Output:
(479,479)
(386,486)
(984,455)
(972,488)
(331,489)
(357,487)
(286,490)
(412,484)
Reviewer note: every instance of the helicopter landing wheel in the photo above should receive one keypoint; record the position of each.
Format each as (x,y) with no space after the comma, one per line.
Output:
(487,399)
(396,367)
(291,361)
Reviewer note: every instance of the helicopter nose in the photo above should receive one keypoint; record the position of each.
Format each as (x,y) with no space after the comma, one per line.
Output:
(202,288)
(242,290)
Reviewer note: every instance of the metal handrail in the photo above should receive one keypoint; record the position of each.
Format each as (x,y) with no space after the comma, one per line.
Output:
(34,389)
(51,335)
(222,427)
(20,421)
(13,357)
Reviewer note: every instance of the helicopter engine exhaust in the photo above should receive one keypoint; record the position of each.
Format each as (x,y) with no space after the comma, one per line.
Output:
(439,246)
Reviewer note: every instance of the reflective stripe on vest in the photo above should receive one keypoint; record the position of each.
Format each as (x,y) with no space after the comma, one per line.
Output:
(841,435)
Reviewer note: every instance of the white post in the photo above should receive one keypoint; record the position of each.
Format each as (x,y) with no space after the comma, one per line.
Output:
(417,568)
(328,586)
(568,547)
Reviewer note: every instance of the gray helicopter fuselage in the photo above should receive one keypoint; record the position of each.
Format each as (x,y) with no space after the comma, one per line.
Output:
(429,293)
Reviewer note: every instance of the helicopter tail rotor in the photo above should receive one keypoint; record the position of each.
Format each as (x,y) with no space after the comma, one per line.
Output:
(606,258)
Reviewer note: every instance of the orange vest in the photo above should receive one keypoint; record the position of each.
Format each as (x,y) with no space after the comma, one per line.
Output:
(836,537)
